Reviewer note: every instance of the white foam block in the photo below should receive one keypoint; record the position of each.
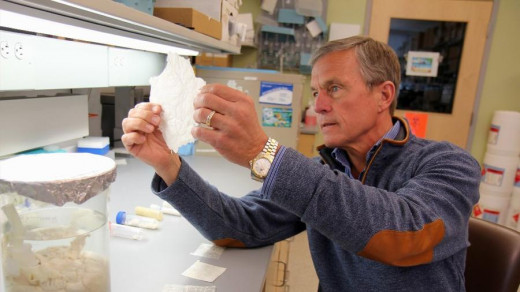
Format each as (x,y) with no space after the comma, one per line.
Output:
(175,89)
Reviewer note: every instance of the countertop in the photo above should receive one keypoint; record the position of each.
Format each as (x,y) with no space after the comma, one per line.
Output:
(150,264)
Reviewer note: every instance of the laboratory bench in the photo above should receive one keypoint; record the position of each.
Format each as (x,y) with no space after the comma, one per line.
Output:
(161,258)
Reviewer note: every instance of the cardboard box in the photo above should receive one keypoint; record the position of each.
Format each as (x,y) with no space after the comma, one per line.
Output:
(191,18)
(209,59)
(211,8)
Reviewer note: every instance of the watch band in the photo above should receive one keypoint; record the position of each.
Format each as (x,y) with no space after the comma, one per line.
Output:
(268,153)
(270,147)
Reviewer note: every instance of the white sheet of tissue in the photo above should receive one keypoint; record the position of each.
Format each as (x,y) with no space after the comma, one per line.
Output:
(175,89)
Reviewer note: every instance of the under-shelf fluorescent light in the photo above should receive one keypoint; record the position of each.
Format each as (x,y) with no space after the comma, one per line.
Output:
(80,7)
(33,24)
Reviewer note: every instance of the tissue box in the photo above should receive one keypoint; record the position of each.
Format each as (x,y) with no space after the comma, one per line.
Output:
(94,145)
(191,18)
(210,59)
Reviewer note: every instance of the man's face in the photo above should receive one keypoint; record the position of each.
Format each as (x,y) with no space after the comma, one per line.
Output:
(346,108)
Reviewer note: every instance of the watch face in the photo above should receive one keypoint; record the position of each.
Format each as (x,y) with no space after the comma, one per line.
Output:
(261,167)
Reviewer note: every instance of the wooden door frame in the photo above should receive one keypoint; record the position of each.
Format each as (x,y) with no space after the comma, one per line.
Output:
(484,61)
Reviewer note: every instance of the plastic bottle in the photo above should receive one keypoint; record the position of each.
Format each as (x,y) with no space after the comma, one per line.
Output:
(126,231)
(165,209)
(138,221)
(147,212)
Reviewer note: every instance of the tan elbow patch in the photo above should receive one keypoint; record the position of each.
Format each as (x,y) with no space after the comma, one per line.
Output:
(229,242)
(405,248)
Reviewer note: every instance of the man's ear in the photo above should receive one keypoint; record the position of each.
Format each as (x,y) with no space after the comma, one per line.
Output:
(387,95)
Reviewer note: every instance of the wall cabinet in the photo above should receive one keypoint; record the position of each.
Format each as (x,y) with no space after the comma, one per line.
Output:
(37,54)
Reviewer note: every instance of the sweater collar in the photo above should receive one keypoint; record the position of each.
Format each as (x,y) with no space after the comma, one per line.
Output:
(341,155)
(399,134)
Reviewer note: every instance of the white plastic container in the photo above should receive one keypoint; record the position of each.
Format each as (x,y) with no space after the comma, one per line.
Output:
(54,233)
(517,176)
(504,133)
(492,207)
(513,214)
(498,173)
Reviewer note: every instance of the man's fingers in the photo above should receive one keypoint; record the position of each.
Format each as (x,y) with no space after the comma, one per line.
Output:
(222,91)
(206,135)
(136,124)
(202,116)
(131,139)
(211,102)
(153,107)
(146,115)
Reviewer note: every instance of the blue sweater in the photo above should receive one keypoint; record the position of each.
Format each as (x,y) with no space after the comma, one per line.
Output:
(401,227)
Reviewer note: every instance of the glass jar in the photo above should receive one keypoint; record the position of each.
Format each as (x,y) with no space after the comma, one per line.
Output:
(54,231)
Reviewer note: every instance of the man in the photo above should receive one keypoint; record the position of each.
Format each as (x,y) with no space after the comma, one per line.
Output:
(384,211)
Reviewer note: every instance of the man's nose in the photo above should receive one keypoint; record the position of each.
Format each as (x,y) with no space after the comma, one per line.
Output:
(322,102)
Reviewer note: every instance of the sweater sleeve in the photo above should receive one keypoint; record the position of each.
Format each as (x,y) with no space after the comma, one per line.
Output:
(411,211)
(248,221)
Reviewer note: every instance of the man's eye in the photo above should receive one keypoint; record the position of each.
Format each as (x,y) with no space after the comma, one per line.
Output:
(315,94)
(333,89)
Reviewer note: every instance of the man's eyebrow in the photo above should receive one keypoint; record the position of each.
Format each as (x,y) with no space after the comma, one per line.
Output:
(329,82)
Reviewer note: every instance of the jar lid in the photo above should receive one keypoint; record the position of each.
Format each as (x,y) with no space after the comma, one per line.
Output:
(57,178)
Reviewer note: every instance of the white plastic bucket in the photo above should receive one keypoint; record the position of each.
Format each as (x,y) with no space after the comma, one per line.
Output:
(492,207)
(504,133)
(513,215)
(517,176)
(498,173)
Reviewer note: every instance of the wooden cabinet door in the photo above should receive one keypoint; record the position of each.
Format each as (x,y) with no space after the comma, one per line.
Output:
(453,126)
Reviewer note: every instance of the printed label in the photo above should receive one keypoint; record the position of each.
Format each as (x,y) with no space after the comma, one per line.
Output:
(492,175)
(276,93)
(277,117)
(491,215)
(493,134)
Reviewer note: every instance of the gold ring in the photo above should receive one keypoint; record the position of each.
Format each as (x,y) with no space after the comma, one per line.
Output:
(208,118)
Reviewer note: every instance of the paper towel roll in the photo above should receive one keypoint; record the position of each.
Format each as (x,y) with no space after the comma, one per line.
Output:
(504,133)
(498,173)
(491,207)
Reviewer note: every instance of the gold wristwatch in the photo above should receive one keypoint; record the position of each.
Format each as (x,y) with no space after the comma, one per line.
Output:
(261,164)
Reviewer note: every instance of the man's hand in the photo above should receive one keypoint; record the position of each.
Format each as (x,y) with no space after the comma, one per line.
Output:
(143,139)
(236,133)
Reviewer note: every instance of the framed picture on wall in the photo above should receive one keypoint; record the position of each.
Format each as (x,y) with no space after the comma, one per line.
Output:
(422,63)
